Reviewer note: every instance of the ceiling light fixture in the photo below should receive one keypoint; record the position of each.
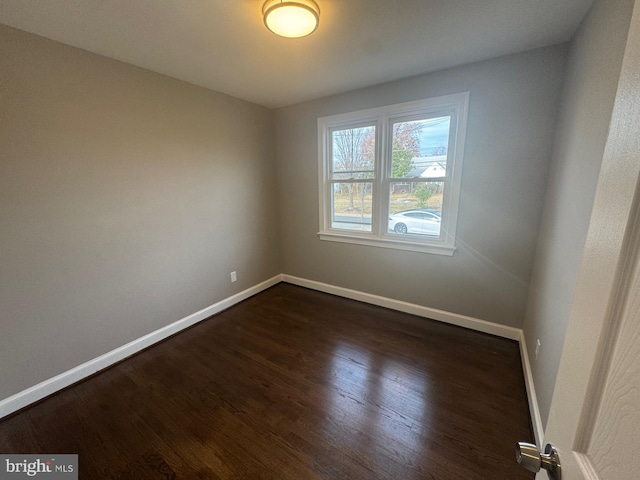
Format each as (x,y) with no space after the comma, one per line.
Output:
(291,19)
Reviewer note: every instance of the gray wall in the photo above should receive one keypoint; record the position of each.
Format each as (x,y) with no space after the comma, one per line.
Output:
(512,115)
(126,198)
(592,75)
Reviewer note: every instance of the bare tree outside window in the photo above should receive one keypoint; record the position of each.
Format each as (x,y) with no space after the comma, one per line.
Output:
(354,159)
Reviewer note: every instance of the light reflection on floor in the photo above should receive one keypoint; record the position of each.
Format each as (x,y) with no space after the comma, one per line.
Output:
(373,399)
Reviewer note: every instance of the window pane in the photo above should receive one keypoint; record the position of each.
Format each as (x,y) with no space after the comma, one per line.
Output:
(351,206)
(353,152)
(420,148)
(415,208)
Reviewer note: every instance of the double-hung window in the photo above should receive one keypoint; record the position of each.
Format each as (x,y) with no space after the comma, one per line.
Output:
(390,176)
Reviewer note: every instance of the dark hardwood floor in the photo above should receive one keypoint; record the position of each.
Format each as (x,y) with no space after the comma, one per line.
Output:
(294,384)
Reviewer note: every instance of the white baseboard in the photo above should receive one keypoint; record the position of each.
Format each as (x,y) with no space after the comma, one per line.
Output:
(472,323)
(38,392)
(43,389)
(536,418)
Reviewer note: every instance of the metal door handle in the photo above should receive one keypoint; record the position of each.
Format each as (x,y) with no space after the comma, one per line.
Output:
(530,458)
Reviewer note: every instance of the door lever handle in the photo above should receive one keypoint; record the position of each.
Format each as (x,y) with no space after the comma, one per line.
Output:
(530,458)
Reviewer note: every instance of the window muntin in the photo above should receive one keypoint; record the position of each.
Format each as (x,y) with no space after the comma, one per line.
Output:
(413,152)
(353,162)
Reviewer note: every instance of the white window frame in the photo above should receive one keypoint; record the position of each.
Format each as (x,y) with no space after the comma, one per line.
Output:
(455,105)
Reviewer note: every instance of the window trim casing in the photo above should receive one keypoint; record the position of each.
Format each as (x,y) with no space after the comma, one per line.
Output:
(383,118)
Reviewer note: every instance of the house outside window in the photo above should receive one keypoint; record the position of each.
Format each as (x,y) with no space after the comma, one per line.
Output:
(390,176)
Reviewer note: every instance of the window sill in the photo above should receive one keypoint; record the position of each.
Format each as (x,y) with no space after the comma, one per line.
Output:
(389,243)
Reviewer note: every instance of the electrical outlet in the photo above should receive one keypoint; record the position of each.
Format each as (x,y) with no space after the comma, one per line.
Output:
(538,345)
(234,277)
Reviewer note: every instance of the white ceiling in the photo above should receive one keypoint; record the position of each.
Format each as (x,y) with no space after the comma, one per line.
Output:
(223,44)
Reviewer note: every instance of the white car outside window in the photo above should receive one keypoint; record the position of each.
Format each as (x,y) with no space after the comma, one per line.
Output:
(417,222)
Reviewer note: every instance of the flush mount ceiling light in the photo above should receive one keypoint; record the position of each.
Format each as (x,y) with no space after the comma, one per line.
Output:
(291,19)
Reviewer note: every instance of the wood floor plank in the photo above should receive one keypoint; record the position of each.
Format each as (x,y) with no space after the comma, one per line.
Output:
(294,384)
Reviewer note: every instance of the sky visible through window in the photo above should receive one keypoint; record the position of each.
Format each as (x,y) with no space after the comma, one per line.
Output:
(434,135)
